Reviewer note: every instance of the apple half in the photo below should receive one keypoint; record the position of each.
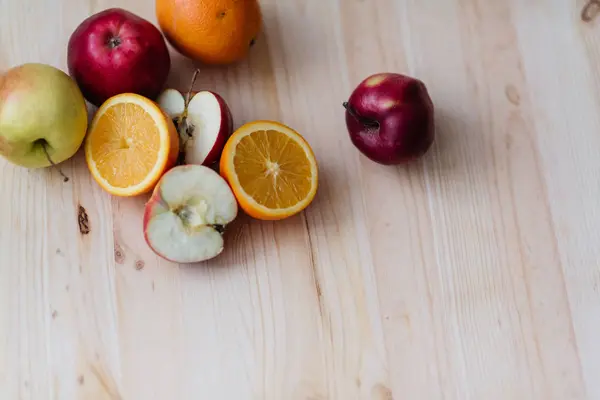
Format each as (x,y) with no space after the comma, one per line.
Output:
(204,124)
(185,218)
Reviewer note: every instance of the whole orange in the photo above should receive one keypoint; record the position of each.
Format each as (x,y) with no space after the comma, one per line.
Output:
(211,31)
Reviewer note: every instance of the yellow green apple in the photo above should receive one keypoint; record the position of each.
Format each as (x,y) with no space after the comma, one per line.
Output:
(43,117)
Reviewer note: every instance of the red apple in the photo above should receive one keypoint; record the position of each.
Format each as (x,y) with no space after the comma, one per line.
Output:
(204,123)
(116,52)
(185,218)
(390,118)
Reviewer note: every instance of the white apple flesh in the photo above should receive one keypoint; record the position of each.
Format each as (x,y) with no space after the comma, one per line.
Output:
(204,125)
(187,213)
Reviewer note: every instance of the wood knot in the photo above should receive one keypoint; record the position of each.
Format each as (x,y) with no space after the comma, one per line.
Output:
(119,254)
(590,10)
(83,221)
(382,392)
(139,264)
(512,94)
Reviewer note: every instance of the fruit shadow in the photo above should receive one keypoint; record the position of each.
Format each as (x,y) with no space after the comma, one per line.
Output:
(251,244)
(250,86)
(182,70)
(236,244)
(457,151)
(237,83)
(442,126)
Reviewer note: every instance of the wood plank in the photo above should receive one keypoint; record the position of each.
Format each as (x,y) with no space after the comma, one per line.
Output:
(471,274)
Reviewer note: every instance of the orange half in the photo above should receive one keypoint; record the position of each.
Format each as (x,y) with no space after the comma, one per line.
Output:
(271,169)
(130,144)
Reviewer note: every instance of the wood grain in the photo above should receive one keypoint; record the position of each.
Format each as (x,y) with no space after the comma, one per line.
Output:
(471,274)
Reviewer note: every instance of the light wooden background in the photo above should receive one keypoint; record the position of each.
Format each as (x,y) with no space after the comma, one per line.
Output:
(473,274)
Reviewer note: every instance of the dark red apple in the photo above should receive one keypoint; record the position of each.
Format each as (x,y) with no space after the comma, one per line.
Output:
(115,52)
(390,118)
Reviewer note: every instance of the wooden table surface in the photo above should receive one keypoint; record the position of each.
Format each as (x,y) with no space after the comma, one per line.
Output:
(472,274)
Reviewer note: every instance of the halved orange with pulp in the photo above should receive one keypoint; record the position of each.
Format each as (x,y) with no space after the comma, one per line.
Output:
(130,144)
(271,169)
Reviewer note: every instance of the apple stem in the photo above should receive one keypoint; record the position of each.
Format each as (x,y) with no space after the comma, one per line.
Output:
(183,128)
(365,121)
(65,178)
(189,93)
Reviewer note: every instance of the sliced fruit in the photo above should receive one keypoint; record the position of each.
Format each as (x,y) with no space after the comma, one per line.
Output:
(204,125)
(172,103)
(130,144)
(187,214)
(271,169)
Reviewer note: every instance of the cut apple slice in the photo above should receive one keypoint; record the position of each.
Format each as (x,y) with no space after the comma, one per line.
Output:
(204,125)
(172,103)
(185,218)
(208,116)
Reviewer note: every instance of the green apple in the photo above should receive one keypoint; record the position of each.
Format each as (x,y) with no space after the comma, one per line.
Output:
(43,117)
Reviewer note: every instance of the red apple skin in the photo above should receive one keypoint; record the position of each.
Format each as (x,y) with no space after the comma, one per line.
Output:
(390,118)
(114,52)
(226,131)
